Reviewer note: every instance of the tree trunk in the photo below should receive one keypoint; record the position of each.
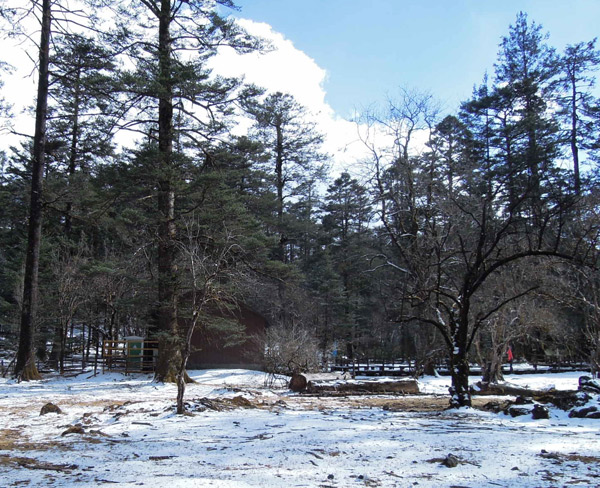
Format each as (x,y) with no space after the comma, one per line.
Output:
(54,356)
(280,184)
(574,146)
(182,376)
(63,348)
(25,368)
(73,156)
(281,254)
(88,345)
(169,356)
(459,391)
(459,362)
(492,371)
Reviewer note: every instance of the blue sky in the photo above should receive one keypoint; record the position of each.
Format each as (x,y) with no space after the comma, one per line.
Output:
(369,48)
(338,57)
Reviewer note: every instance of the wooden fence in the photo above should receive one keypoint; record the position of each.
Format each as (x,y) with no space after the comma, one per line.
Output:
(129,356)
(398,367)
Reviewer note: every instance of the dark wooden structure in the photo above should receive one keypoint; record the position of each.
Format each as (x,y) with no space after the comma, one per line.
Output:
(237,345)
(214,347)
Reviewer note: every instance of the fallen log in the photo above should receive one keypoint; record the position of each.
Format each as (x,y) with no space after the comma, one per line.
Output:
(335,384)
(355,387)
(498,389)
(299,382)
(563,399)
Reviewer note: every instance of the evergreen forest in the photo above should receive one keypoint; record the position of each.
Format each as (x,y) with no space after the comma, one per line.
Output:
(156,196)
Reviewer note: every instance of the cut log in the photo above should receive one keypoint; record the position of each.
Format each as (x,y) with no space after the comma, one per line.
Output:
(563,399)
(481,388)
(405,387)
(299,382)
(337,376)
(332,384)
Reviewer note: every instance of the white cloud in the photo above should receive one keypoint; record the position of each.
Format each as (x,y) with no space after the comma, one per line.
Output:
(290,70)
(285,68)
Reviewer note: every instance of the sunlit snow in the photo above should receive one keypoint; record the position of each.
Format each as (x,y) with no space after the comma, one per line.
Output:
(131,436)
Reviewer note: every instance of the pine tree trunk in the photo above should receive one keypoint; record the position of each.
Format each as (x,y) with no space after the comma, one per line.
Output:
(280,184)
(169,356)
(25,368)
(73,156)
(574,146)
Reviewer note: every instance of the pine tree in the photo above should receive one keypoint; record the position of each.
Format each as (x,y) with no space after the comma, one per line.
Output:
(293,146)
(579,107)
(347,214)
(25,367)
(83,117)
(181,107)
(524,71)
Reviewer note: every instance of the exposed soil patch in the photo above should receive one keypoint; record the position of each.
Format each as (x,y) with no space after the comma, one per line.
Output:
(30,463)
(9,438)
(595,460)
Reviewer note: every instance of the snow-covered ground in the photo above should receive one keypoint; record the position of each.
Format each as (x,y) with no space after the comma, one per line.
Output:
(128,434)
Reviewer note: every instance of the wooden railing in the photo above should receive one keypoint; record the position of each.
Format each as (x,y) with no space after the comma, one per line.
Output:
(390,367)
(129,356)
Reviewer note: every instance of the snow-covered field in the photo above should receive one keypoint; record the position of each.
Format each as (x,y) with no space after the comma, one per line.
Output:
(243,434)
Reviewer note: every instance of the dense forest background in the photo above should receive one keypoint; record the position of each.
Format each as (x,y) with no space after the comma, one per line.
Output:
(457,236)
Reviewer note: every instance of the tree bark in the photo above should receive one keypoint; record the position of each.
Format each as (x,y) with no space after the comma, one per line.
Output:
(459,361)
(460,395)
(169,356)
(574,146)
(25,368)
(280,184)
(492,370)
(73,153)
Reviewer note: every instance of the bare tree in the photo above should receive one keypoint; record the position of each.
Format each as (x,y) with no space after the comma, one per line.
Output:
(578,290)
(70,296)
(210,276)
(446,243)
(512,324)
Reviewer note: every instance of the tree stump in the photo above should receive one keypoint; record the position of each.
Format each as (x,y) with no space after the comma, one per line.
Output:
(298,383)
(50,408)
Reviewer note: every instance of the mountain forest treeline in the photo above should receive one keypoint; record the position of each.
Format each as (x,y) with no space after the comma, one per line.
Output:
(155,191)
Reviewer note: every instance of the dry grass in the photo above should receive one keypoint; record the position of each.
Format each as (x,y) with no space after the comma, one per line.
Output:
(9,461)
(582,459)
(9,438)
(16,440)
